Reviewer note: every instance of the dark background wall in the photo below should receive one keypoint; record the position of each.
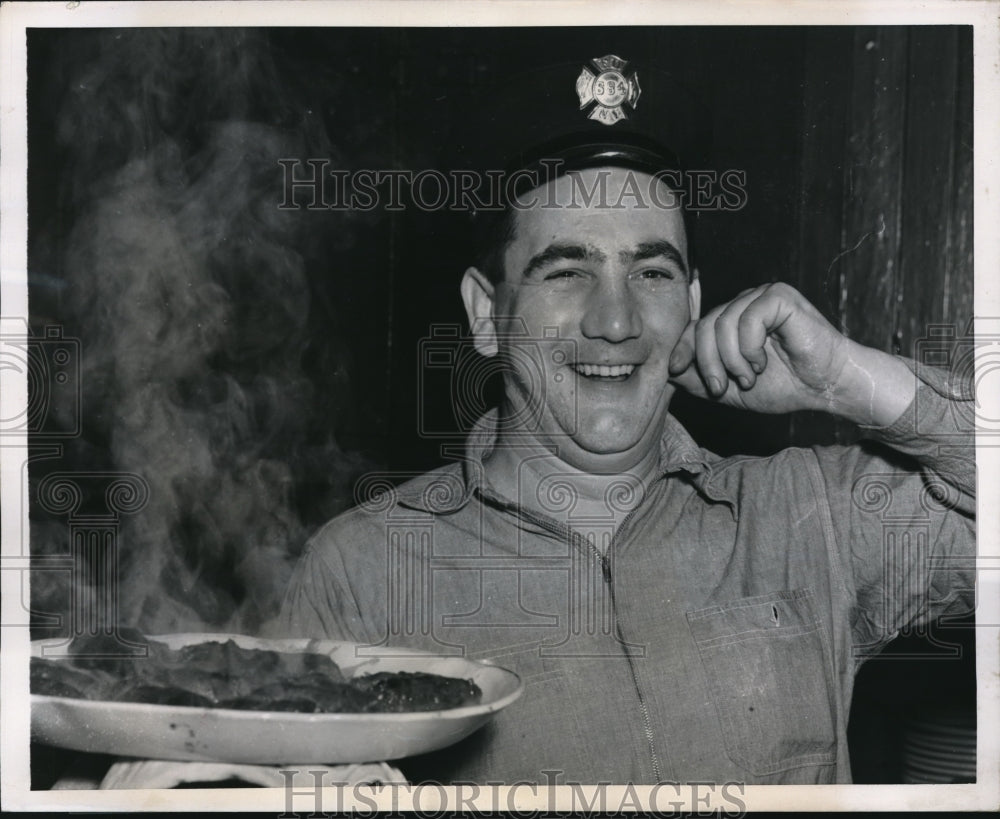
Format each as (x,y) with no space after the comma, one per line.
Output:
(250,363)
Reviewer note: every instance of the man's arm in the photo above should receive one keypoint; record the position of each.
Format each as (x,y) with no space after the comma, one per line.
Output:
(317,604)
(904,530)
(769,350)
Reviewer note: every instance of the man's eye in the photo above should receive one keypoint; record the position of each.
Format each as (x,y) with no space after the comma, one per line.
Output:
(655,273)
(560,274)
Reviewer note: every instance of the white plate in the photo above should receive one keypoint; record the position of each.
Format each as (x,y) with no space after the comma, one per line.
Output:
(272,737)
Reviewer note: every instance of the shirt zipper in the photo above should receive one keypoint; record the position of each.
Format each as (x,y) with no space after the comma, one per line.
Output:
(647,723)
(605,564)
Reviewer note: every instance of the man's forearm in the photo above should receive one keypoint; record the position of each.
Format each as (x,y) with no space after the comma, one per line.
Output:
(936,425)
(875,388)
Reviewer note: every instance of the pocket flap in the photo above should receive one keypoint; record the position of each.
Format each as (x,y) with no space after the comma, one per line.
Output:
(783,613)
(769,675)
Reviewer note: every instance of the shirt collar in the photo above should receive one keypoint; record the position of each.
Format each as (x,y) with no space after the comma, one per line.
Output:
(450,488)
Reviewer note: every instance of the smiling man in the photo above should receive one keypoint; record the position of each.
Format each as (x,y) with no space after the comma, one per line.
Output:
(675,616)
(613,283)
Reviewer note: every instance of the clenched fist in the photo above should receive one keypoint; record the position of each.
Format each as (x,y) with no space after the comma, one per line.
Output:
(769,350)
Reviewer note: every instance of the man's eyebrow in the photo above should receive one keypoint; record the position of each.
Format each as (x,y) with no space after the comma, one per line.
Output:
(556,253)
(654,250)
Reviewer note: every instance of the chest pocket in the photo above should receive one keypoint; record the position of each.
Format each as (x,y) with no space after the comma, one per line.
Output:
(766,660)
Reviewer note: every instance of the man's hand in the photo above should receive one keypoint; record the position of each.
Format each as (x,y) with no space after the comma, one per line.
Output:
(769,350)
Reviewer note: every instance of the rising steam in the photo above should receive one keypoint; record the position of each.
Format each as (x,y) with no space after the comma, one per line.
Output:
(190,293)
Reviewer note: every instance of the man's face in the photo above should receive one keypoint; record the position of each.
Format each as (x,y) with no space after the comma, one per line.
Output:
(611,280)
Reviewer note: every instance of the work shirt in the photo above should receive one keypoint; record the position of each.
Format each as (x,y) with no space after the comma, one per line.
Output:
(718,637)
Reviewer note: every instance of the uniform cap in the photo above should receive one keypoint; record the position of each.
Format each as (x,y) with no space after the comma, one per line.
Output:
(600,110)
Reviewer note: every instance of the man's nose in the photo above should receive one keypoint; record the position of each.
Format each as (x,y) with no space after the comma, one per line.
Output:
(611,313)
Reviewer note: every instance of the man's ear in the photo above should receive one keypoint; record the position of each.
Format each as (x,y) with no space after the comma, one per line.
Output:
(694,295)
(478,294)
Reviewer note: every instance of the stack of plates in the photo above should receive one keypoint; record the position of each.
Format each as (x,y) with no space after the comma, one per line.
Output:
(940,747)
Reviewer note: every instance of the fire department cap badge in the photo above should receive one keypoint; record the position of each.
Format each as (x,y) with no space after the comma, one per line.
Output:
(610,88)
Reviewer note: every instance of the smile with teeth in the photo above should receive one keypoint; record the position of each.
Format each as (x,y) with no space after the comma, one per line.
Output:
(604,370)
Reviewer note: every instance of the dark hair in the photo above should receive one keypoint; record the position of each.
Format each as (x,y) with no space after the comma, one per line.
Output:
(494,231)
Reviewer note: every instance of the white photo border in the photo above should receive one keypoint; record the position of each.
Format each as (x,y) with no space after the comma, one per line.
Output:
(16,18)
